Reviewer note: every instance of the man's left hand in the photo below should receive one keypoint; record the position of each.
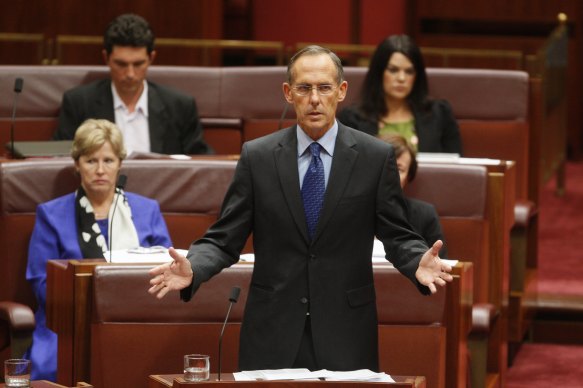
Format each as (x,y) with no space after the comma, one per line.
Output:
(432,270)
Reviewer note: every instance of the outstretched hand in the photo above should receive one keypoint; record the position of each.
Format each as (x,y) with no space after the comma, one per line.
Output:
(172,276)
(432,270)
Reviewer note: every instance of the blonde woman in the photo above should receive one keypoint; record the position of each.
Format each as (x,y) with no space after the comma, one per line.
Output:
(77,225)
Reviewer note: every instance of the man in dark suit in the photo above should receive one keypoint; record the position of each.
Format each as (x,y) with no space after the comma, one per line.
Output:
(151,117)
(311,300)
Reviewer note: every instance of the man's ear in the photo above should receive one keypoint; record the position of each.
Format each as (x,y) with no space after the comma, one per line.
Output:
(342,90)
(105,56)
(152,56)
(287,93)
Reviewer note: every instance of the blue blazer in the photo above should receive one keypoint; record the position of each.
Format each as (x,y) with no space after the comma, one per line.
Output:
(55,237)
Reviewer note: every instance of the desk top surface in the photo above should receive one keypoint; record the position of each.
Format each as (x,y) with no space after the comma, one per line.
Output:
(176,380)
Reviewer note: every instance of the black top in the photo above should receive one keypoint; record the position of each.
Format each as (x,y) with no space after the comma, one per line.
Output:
(424,220)
(436,128)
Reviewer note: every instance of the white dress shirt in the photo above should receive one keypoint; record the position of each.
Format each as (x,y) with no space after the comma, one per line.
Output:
(133,125)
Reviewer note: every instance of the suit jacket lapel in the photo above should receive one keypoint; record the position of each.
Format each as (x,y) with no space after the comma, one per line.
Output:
(286,163)
(104,101)
(156,120)
(342,163)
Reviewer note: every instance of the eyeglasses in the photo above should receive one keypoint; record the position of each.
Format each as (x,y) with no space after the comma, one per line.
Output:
(305,89)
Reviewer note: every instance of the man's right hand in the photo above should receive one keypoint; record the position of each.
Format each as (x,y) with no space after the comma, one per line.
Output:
(173,276)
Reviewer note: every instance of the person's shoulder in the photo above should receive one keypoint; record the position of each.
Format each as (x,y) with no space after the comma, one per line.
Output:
(363,138)
(167,92)
(349,112)
(439,106)
(57,205)
(272,139)
(352,115)
(140,200)
(89,88)
(421,205)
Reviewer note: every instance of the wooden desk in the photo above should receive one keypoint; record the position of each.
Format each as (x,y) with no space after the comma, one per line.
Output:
(49,384)
(164,381)
(69,311)
(40,384)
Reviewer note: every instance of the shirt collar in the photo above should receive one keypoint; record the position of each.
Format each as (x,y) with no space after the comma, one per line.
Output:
(141,105)
(327,141)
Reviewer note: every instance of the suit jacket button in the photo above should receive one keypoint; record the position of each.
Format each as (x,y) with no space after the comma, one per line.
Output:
(304,300)
(312,257)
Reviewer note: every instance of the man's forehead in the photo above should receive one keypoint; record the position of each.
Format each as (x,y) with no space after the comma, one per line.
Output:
(129,53)
(319,67)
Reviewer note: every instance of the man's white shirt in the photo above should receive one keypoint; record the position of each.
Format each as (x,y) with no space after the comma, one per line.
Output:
(134,126)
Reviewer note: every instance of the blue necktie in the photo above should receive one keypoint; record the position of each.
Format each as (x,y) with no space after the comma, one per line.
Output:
(313,189)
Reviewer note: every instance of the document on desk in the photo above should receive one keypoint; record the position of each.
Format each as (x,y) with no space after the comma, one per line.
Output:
(378,254)
(152,255)
(305,374)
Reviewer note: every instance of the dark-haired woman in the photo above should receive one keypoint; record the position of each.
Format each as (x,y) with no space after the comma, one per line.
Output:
(394,99)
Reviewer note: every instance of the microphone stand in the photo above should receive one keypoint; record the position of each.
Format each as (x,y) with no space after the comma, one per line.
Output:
(233,299)
(18,83)
(121,182)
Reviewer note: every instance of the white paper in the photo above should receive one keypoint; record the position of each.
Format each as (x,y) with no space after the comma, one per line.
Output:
(273,374)
(355,375)
(180,157)
(305,374)
(378,254)
(437,157)
(431,157)
(247,257)
(141,255)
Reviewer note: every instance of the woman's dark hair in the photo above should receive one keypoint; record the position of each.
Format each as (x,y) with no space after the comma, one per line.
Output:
(401,145)
(372,95)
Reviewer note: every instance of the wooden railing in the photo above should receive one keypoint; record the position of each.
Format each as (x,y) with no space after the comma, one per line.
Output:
(199,52)
(207,52)
(41,46)
(457,57)
(351,54)
(548,75)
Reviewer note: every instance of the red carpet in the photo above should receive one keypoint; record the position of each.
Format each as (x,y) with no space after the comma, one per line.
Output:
(561,236)
(546,365)
(560,272)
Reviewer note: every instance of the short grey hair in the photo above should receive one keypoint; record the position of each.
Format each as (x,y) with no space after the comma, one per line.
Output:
(316,50)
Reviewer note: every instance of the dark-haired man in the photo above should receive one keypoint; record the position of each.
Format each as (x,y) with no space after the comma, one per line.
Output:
(151,117)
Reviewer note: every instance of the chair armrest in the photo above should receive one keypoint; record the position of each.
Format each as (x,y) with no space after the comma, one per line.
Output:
(523,212)
(483,316)
(17,324)
(19,317)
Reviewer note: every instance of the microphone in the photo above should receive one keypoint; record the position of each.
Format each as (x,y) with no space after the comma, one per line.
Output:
(235,291)
(121,183)
(18,83)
